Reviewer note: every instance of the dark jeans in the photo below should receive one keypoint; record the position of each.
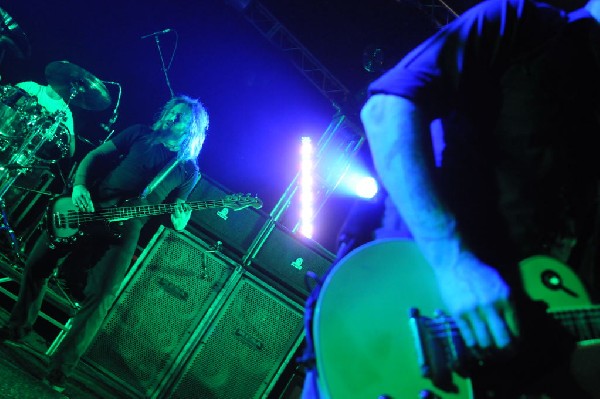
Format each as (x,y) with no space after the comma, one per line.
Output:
(110,260)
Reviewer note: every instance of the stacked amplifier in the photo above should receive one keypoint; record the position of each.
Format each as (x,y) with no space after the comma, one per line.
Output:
(261,245)
(189,322)
(215,311)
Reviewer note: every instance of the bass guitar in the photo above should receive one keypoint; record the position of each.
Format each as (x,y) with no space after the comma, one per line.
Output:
(65,222)
(379,333)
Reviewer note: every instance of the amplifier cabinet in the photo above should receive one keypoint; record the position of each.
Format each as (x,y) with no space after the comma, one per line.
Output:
(247,347)
(235,229)
(167,297)
(284,260)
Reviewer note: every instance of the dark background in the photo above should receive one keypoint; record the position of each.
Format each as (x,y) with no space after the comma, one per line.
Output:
(259,103)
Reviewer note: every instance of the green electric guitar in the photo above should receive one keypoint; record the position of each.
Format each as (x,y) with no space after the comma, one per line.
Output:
(378,332)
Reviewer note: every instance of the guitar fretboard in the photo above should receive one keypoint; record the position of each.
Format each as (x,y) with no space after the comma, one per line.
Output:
(583,324)
(73,218)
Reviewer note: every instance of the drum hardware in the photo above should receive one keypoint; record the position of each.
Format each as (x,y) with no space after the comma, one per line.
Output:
(22,160)
(28,149)
(108,127)
(18,112)
(33,190)
(15,246)
(86,141)
(12,38)
(23,168)
(30,136)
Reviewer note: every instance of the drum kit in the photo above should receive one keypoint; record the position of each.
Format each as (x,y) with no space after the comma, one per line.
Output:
(30,136)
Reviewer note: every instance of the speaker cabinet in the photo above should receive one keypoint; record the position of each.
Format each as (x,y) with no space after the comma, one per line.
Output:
(235,229)
(284,260)
(165,299)
(246,348)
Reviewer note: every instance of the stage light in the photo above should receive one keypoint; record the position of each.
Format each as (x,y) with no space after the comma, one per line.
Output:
(366,187)
(358,183)
(306,187)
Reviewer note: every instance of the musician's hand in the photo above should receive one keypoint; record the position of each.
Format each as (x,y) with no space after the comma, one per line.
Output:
(478,299)
(181,216)
(82,199)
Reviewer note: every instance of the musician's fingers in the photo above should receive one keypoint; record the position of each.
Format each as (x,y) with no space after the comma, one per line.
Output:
(497,326)
(480,330)
(466,332)
(507,310)
(85,204)
(81,197)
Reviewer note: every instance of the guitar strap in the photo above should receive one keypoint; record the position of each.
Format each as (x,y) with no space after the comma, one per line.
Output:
(160,177)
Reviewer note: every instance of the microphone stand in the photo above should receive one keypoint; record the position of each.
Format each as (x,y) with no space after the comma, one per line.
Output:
(115,115)
(162,61)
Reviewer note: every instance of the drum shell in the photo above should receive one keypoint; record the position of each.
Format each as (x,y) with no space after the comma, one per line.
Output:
(17,112)
(26,126)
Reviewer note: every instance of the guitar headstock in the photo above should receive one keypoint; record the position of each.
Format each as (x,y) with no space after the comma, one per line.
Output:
(241,201)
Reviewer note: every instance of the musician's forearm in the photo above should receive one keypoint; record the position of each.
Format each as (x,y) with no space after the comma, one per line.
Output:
(82,171)
(398,132)
(90,159)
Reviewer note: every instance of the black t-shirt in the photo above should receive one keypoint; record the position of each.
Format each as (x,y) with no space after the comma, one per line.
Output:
(139,162)
(517,86)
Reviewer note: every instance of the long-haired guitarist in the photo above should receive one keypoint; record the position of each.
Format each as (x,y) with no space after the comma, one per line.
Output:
(154,163)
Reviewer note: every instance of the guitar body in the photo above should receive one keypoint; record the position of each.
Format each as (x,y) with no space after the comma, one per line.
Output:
(365,346)
(68,232)
(362,336)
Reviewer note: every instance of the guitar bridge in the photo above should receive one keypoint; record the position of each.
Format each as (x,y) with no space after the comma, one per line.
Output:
(439,347)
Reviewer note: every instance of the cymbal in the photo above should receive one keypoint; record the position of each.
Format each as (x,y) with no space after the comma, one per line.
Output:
(67,79)
(12,36)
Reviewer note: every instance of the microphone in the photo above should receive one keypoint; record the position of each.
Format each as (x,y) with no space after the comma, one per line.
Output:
(162,32)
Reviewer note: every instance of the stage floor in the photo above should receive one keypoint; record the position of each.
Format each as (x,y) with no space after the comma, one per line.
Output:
(23,366)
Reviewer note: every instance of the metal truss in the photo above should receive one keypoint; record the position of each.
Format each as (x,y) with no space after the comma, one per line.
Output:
(440,12)
(302,59)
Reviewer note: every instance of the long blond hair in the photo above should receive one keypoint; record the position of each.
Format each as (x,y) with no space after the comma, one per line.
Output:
(191,146)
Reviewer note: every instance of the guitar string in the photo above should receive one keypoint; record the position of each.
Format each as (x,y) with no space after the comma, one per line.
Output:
(127,211)
(584,322)
(140,210)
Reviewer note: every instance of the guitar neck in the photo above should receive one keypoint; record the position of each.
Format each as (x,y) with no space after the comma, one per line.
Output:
(129,212)
(583,324)
(64,219)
